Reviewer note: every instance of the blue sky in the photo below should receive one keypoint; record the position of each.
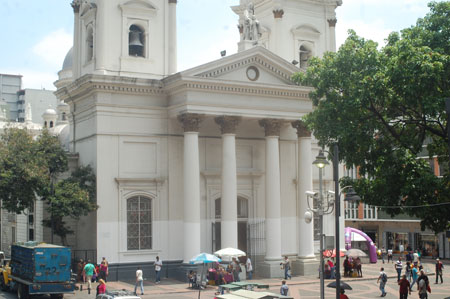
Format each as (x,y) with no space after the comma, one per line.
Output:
(36,35)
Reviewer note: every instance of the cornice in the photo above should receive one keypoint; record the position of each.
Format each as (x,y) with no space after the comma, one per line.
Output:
(230,87)
(104,83)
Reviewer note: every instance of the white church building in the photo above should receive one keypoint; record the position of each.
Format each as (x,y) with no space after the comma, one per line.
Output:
(193,161)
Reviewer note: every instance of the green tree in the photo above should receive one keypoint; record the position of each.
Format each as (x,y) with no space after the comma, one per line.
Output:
(382,105)
(31,168)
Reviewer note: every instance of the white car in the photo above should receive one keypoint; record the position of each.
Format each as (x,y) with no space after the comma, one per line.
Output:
(118,294)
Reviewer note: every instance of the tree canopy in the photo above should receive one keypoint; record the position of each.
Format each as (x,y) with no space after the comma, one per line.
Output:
(385,108)
(31,169)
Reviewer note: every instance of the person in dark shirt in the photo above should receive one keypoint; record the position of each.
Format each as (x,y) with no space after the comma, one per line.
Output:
(404,287)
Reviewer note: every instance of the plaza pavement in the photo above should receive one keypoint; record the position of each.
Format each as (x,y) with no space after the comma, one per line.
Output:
(299,287)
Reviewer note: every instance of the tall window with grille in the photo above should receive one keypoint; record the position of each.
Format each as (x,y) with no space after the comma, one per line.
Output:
(139,223)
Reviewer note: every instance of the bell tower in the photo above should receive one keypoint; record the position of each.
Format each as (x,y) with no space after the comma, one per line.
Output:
(296,30)
(130,38)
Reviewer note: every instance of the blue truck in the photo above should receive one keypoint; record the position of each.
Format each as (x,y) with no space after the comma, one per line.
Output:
(40,269)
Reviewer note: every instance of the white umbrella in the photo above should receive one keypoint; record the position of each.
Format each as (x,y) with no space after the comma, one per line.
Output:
(355,253)
(230,252)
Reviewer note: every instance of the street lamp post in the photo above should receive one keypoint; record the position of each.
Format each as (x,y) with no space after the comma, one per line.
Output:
(322,209)
(320,162)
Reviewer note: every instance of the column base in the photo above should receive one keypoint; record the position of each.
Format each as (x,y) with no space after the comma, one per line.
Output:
(305,266)
(270,269)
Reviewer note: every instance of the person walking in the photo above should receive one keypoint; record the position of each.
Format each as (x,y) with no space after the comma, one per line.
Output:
(89,270)
(358,266)
(382,279)
(249,268)
(158,267)
(423,285)
(139,281)
(286,266)
(104,269)
(398,267)
(414,275)
(408,271)
(439,267)
(390,256)
(405,287)
(284,290)
(383,253)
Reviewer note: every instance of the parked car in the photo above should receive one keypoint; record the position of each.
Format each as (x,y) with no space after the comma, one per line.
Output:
(118,294)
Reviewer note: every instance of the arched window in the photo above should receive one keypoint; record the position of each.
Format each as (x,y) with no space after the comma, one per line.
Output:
(89,43)
(63,116)
(45,124)
(51,124)
(136,41)
(305,56)
(139,223)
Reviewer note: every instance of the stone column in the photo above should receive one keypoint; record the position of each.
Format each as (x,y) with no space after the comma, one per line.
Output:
(76,39)
(273,190)
(172,36)
(191,186)
(228,201)
(278,45)
(101,36)
(332,30)
(306,242)
(306,263)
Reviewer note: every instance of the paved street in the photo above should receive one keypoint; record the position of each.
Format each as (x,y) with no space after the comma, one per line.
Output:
(300,287)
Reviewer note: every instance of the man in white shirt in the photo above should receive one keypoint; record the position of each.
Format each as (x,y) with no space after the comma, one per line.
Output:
(249,268)
(139,281)
(390,256)
(158,266)
(398,267)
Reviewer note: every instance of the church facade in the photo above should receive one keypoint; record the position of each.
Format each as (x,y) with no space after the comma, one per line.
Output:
(193,161)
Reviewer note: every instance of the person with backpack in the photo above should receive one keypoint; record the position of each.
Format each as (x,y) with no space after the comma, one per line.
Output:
(423,285)
(439,267)
(382,279)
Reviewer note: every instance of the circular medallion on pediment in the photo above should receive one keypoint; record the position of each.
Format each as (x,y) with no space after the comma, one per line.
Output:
(252,73)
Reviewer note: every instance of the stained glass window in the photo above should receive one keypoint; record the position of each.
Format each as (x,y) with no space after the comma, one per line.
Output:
(139,223)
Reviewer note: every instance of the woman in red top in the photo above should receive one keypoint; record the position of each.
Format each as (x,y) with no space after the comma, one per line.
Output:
(343,296)
(101,288)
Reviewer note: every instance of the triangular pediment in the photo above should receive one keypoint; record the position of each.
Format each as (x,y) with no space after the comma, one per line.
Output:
(256,65)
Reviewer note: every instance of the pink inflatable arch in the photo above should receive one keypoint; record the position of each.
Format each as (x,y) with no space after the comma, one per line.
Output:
(370,245)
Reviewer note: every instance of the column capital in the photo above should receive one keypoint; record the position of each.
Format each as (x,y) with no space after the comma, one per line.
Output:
(278,13)
(332,22)
(271,127)
(76,6)
(173,1)
(228,124)
(190,121)
(302,130)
